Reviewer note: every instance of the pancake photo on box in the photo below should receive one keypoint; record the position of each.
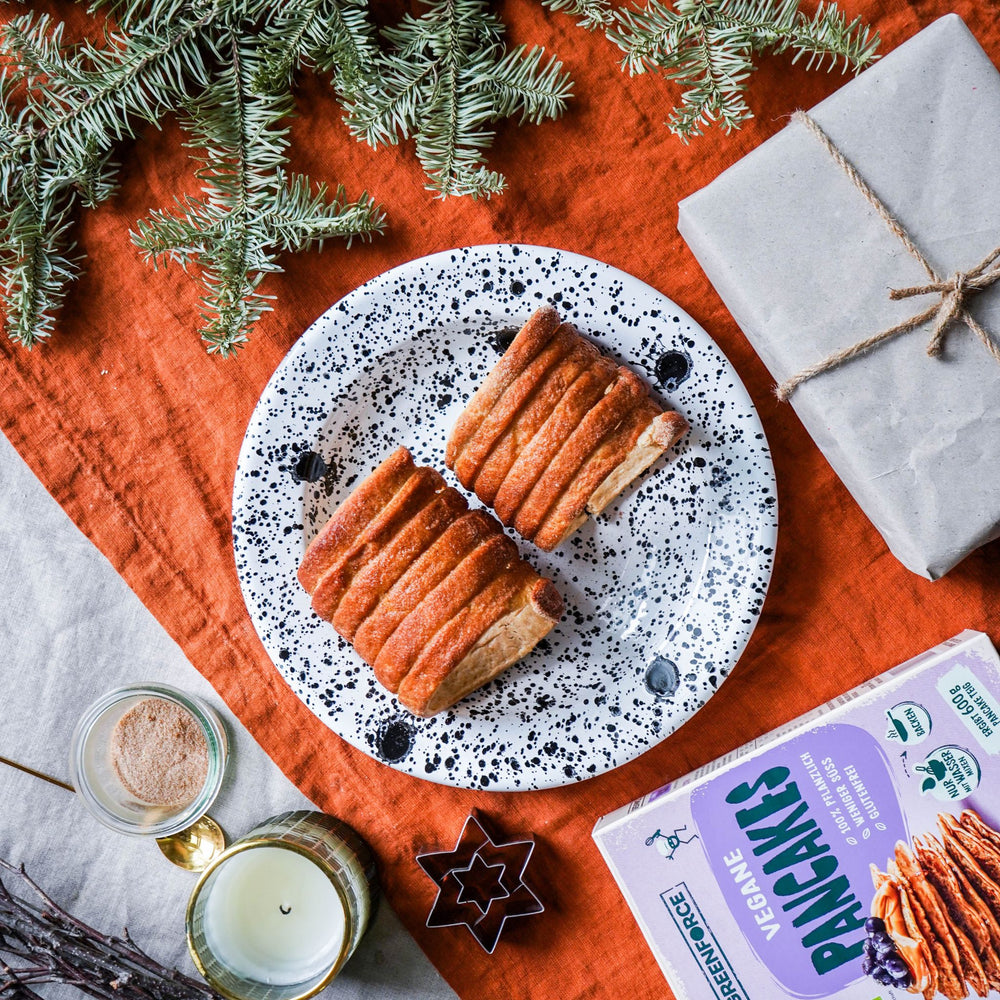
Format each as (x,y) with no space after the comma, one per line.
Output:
(556,432)
(433,596)
(934,926)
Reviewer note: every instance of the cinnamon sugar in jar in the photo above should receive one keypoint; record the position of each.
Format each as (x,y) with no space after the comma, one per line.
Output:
(159,753)
(149,759)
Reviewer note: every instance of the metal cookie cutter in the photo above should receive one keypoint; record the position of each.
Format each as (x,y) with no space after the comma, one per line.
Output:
(480,883)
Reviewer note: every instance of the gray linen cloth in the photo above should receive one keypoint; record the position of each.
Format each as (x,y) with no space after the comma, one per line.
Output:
(70,630)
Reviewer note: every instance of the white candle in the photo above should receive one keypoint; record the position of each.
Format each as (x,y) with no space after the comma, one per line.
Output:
(273,916)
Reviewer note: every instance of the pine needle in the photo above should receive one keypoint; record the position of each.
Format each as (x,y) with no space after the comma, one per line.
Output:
(445,80)
(707,46)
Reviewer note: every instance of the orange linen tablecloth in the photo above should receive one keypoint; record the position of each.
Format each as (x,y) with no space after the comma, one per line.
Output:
(135,431)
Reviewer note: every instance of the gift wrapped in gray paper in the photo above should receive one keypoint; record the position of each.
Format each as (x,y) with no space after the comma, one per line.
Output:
(805,263)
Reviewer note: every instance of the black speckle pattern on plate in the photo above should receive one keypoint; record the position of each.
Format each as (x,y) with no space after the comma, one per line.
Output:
(662,591)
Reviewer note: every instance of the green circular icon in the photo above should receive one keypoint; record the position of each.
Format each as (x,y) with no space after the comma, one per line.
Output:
(909,723)
(949,772)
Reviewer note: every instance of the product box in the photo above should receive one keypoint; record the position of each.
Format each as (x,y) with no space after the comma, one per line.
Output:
(853,853)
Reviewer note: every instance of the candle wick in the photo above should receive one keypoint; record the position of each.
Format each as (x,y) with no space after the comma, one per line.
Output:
(281,907)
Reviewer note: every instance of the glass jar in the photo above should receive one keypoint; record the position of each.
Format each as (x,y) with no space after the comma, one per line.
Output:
(99,783)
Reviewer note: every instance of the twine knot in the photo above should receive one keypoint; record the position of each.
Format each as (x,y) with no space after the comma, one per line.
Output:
(954,292)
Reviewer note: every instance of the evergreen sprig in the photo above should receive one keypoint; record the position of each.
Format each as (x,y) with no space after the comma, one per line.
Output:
(442,76)
(589,13)
(707,46)
(251,210)
(56,150)
(444,80)
(332,36)
(202,58)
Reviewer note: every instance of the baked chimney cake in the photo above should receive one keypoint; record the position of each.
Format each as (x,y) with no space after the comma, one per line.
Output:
(556,432)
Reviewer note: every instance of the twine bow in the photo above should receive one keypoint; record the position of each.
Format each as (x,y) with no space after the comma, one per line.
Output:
(954,292)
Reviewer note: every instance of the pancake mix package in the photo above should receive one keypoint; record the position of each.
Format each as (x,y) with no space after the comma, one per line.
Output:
(853,853)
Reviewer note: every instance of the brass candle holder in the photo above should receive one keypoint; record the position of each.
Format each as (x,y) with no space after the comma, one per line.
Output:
(276,916)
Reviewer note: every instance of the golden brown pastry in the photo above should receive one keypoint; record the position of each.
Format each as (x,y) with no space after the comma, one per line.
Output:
(535,334)
(433,596)
(556,432)
(382,572)
(530,418)
(541,449)
(526,385)
(353,515)
(425,573)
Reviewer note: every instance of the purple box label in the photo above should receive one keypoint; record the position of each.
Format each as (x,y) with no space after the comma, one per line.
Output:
(790,836)
(702,943)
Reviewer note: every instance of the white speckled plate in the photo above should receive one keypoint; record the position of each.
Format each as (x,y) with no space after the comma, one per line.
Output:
(662,592)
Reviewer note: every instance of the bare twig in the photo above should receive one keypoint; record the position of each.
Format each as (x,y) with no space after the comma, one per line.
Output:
(53,946)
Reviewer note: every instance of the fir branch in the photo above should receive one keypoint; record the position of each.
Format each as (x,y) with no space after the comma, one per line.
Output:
(707,47)
(590,14)
(82,101)
(830,34)
(284,44)
(232,270)
(303,217)
(155,14)
(57,150)
(250,210)
(37,259)
(132,80)
(330,35)
(34,49)
(96,176)
(446,79)
(781,26)
(241,142)
(523,86)
(179,235)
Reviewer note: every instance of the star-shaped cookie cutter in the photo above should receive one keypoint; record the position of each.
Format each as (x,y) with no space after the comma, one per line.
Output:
(480,883)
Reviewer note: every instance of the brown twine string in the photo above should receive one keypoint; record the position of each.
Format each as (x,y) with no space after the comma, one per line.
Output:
(954,292)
